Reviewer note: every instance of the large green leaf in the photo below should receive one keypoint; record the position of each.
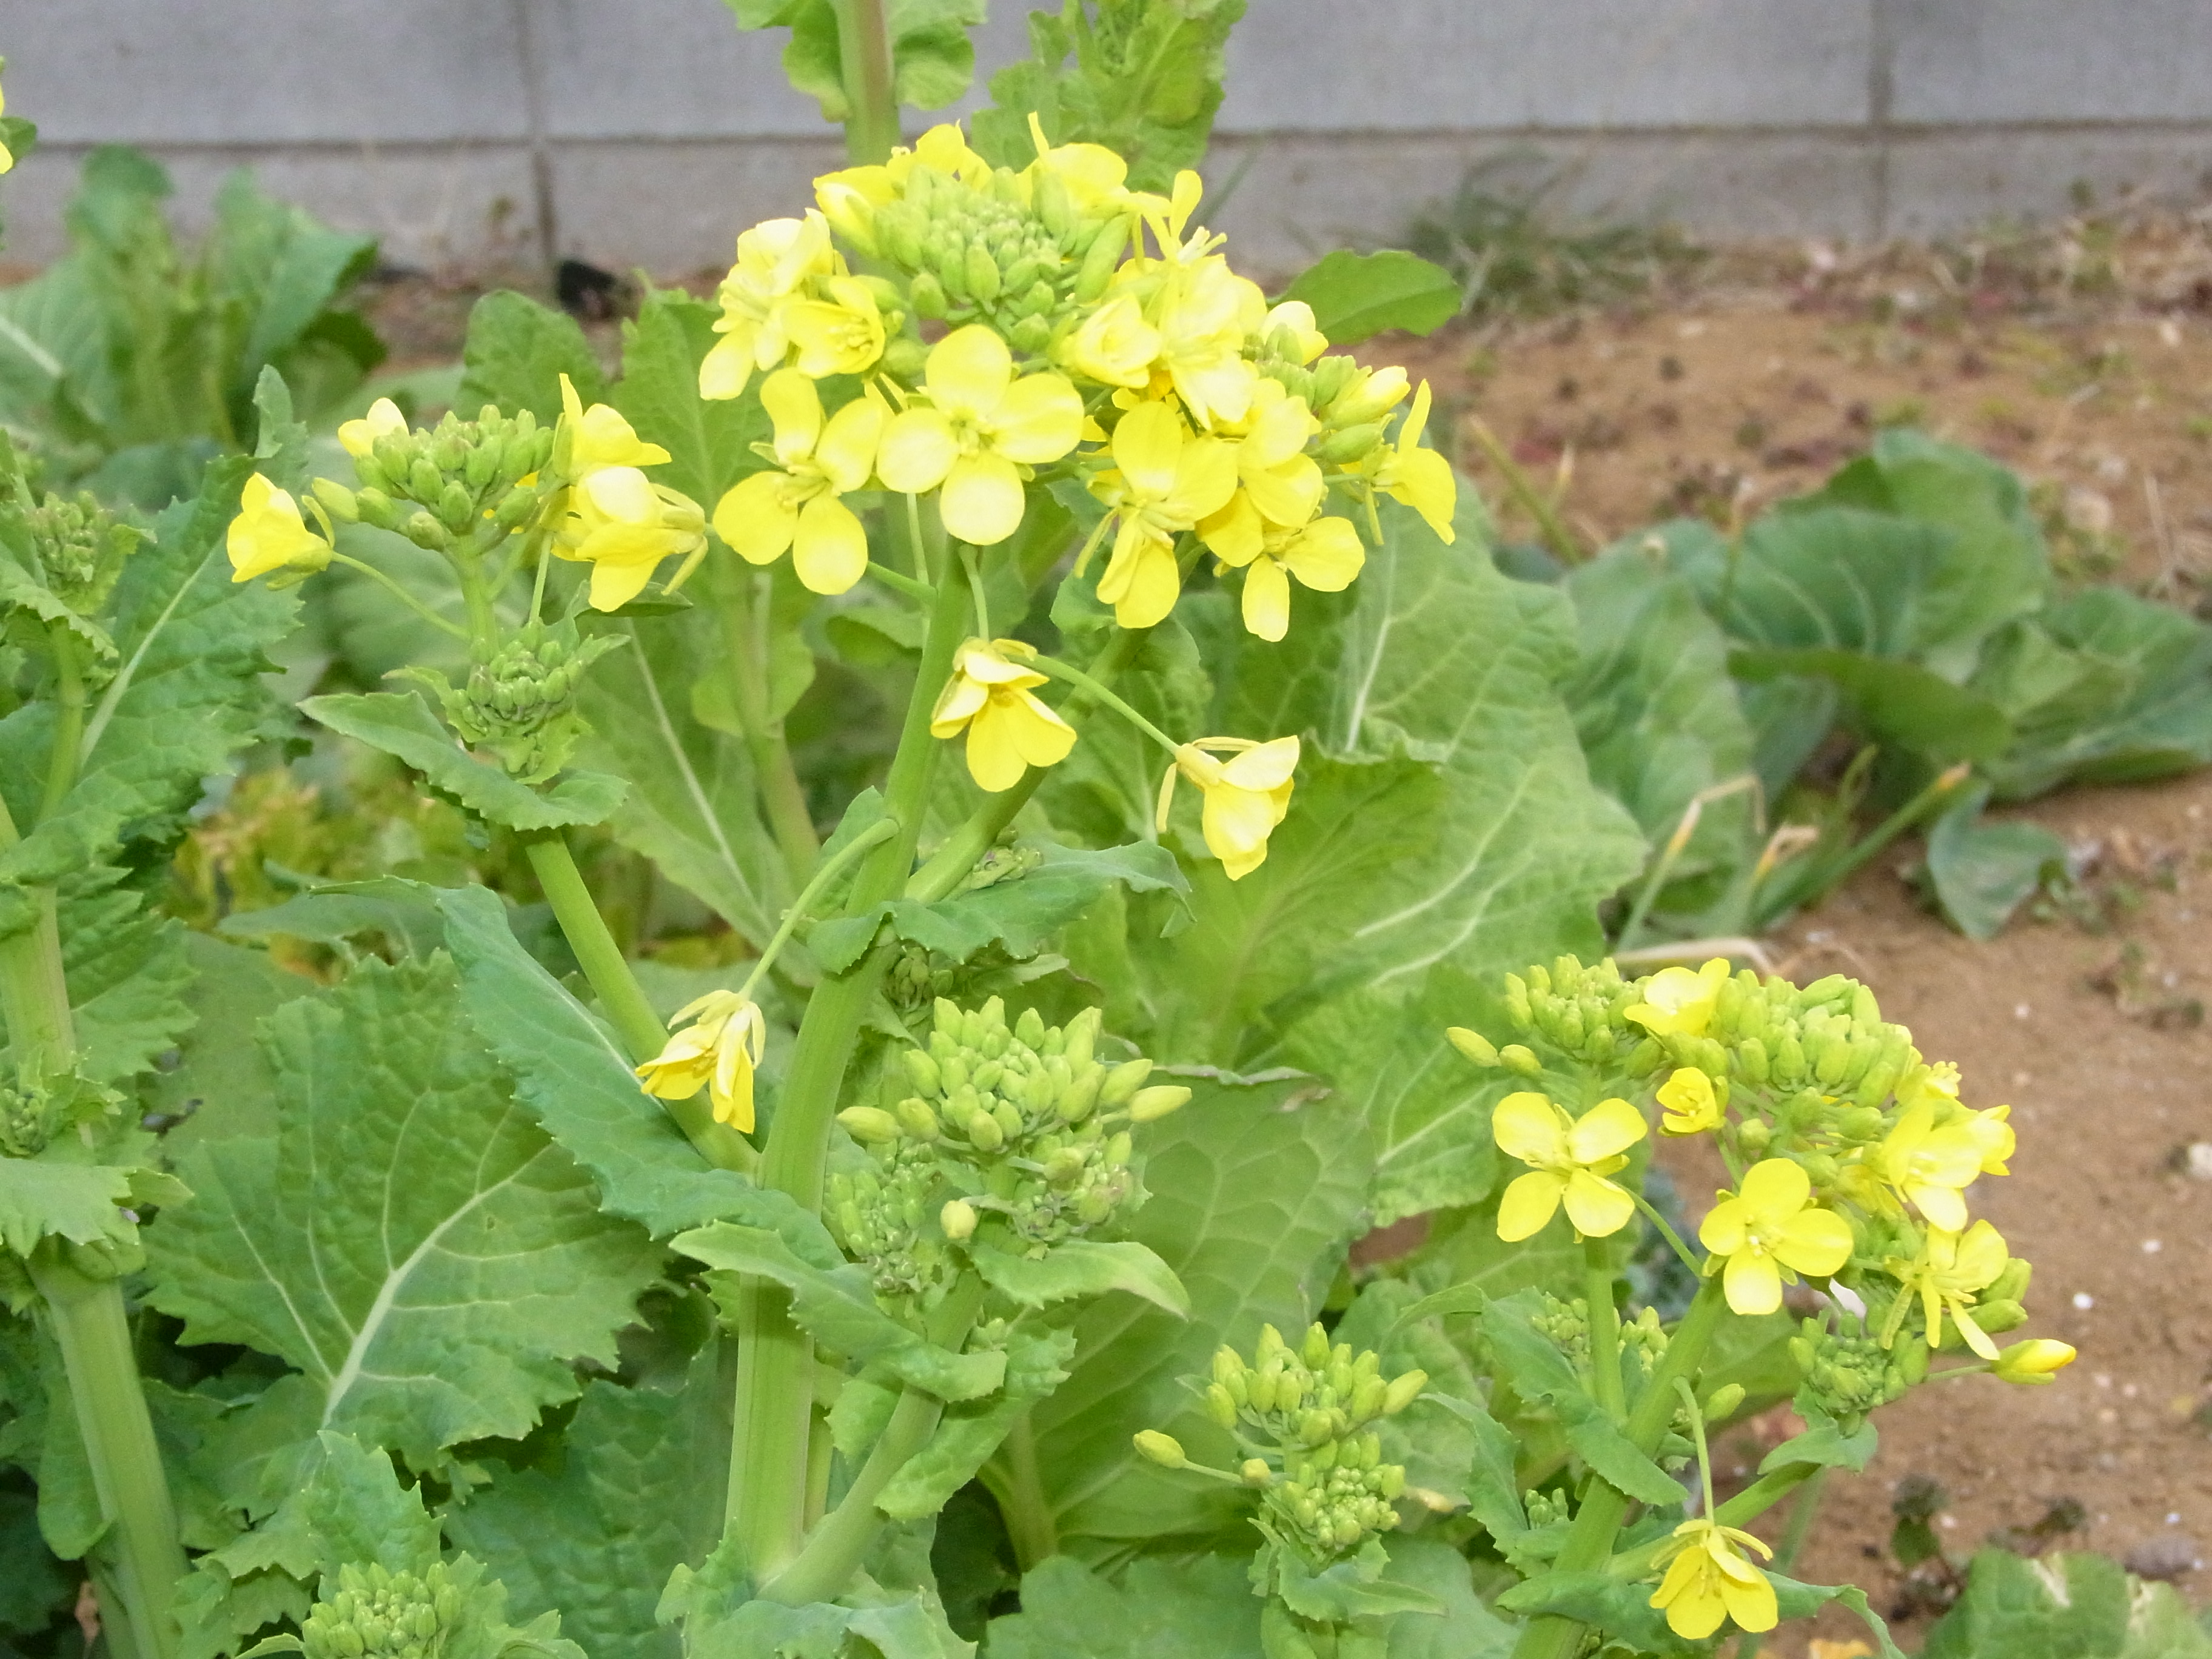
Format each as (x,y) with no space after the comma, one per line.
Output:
(933,60)
(637,1491)
(691,806)
(1983,871)
(516,354)
(1199,1608)
(400,723)
(1355,296)
(185,696)
(1145,83)
(968,1433)
(1255,1189)
(410,1239)
(568,1071)
(127,976)
(76,1202)
(2065,1607)
(221,1084)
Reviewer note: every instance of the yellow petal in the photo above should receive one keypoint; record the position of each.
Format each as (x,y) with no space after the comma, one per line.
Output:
(1775,1189)
(846,450)
(727,366)
(795,408)
(918,449)
(1325,556)
(1267,603)
(1425,483)
(1817,1242)
(983,498)
(1264,767)
(1288,494)
(1235,535)
(1597,1207)
(969,371)
(961,700)
(1527,1126)
(1043,737)
(1726,1228)
(1528,1205)
(1751,1603)
(1982,1255)
(1146,446)
(1205,477)
(995,755)
(1141,581)
(830,552)
(753,518)
(1039,420)
(1610,1127)
(616,582)
(1944,1207)
(359,437)
(1752,1282)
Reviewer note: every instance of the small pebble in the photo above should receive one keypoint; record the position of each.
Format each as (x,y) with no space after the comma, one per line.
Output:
(2168,1556)
(2173,1517)
(2021,1011)
(2198,1160)
(2084,1301)
(2152,1246)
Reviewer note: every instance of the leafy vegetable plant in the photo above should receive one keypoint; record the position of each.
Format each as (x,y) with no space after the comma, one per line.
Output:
(969,1263)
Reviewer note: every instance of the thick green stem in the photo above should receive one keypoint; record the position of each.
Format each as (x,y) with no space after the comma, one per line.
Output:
(1604,1327)
(1015,1482)
(141,1557)
(69,720)
(137,1563)
(768,1466)
(745,606)
(864,47)
(1597,1523)
(636,1024)
(835,1548)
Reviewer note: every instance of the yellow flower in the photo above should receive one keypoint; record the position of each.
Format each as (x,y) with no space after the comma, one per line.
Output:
(1278,483)
(623,525)
(1091,173)
(1246,796)
(1691,1105)
(850,195)
(981,428)
(359,437)
(1113,345)
(1951,1270)
(1932,1165)
(798,507)
(1711,1578)
(1569,1160)
(775,259)
(2037,1360)
(1204,313)
(1163,481)
(1676,1000)
(1307,340)
(1992,1132)
(268,534)
(1420,478)
(1768,1226)
(1009,731)
(1325,555)
(840,335)
(600,437)
(720,1048)
(7,155)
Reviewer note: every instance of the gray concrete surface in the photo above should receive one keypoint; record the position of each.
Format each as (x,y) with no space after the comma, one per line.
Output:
(649,131)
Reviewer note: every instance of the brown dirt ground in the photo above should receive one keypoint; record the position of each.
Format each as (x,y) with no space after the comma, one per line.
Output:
(1752,382)
(2083,357)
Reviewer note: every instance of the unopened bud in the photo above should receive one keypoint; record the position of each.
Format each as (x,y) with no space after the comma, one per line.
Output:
(1164,1450)
(2036,1361)
(1220,1406)
(1122,1083)
(1515,1057)
(915,1117)
(338,501)
(1256,1472)
(1721,1404)
(983,1131)
(1149,1105)
(957,1218)
(426,532)
(1752,1135)
(869,1125)
(920,1069)
(1476,1046)
(1403,1391)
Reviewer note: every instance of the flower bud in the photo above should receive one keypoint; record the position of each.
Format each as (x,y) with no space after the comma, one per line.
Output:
(1721,1404)
(1122,1083)
(957,1218)
(920,1070)
(983,1131)
(869,1125)
(1227,1362)
(1316,1426)
(1314,1348)
(1220,1406)
(457,508)
(915,1117)
(1064,1166)
(1368,1397)
(1100,261)
(1751,1062)
(1009,1118)
(927,296)
(1999,1315)
(338,501)
(1515,1057)
(1752,1134)
(2011,1284)
(1403,1391)
(1476,1046)
(1031,336)
(1256,1472)
(1164,1450)
(1149,1105)
(426,532)
(2036,1361)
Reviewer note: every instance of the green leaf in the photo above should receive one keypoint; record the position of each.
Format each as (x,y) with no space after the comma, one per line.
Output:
(709,443)
(516,354)
(637,1491)
(932,59)
(127,975)
(1020,914)
(329,913)
(1145,83)
(691,804)
(1468,1629)
(836,1304)
(1355,296)
(401,724)
(2107,688)
(1622,1611)
(1537,1369)
(567,1070)
(1201,1608)
(1256,1187)
(1983,871)
(968,1434)
(1085,1268)
(2064,1607)
(35,1589)
(44,1196)
(184,698)
(1825,1444)
(410,1240)
(1893,703)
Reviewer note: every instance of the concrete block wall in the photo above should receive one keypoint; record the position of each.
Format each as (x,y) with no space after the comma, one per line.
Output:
(649,131)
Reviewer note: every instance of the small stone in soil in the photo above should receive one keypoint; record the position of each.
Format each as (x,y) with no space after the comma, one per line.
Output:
(2168,1556)
(2084,1301)
(2197,1160)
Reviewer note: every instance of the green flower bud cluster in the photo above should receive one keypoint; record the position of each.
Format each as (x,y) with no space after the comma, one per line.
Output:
(1546,1509)
(1306,1411)
(1353,415)
(1827,1039)
(916,981)
(1019,1129)
(1565,1326)
(35,1110)
(1847,1376)
(79,548)
(375,1613)
(1573,1011)
(1018,255)
(459,476)
(521,704)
